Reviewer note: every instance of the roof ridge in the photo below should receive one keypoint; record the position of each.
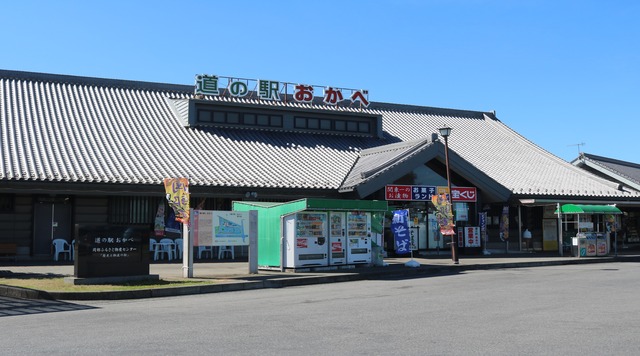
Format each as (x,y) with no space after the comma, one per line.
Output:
(412,148)
(396,145)
(94,81)
(610,160)
(604,165)
(184,88)
(379,105)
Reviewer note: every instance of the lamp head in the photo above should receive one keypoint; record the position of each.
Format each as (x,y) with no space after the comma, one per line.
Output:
(445,131)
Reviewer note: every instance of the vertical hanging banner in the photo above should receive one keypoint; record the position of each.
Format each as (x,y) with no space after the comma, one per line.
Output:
(443,214)
(158,225)
(401,234)
(482,219)
(177,190)
(504,223)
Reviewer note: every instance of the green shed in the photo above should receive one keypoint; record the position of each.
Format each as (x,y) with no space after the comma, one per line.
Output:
(315,232)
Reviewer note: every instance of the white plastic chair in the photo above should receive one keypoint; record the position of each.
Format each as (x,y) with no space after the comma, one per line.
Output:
(205,249)
(165,246)
(223,250)
(178,243)
(152,247)
(61,246)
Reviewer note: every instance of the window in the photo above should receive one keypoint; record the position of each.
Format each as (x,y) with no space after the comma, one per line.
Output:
(221,115)
(313,124)
(363,127)
(275,120)
(233,118)
(263,120)
(321,124)
(325,124)
(204,116)
(7,203)
(249,119)
(133,210)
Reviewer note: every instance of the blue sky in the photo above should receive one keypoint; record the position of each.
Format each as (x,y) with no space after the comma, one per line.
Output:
(561,73)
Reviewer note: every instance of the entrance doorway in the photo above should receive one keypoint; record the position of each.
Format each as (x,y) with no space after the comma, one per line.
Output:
(52,220)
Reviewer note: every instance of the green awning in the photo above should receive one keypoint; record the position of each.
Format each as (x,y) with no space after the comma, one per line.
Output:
(589,209)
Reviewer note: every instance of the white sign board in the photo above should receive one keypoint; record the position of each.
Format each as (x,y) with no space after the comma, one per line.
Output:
(220,228)
(472,236)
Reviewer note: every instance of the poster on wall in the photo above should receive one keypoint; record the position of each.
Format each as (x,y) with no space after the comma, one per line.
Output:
(550,234)
(472,236)
(462,212)
(220,228)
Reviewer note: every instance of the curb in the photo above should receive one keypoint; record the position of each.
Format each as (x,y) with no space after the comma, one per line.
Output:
(24,293)
(392,271)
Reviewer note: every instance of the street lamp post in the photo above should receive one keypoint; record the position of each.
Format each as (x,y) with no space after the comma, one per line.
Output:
(445,132)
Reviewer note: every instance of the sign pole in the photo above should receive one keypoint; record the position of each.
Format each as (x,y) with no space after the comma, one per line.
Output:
(560,251)
(414,240)
(187,255)
(253,241)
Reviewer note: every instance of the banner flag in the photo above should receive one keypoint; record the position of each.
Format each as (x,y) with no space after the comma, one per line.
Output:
(482,219)
(444,216)
(158,225)
(400,228)
(504,223)
(177,190)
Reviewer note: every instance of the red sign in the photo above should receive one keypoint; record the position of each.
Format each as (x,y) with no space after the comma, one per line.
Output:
(301,243)
(336,247)
(463,194)
(397,192)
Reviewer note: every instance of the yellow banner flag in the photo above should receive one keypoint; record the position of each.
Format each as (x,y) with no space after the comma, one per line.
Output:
(177,190)
(443,214)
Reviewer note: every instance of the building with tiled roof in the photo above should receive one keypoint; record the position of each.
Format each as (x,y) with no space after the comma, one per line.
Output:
(626,174)
(97,150)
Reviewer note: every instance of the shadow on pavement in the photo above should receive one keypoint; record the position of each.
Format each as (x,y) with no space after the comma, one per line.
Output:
(15,306)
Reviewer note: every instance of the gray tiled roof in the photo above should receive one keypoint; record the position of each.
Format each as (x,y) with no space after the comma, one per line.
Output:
(77,129)
(622,171)
(374,161)
(376,167)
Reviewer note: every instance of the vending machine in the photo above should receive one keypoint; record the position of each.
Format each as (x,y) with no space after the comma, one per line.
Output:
(312,233)
(306,240)
(358,237)
(337,243)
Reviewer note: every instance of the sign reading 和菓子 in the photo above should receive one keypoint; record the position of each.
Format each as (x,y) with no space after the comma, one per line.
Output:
(272,90)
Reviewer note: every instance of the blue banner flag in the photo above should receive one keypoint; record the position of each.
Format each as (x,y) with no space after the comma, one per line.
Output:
(401,233)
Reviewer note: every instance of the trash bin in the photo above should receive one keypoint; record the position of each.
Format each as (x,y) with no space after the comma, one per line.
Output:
(376,255)
(575,251)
